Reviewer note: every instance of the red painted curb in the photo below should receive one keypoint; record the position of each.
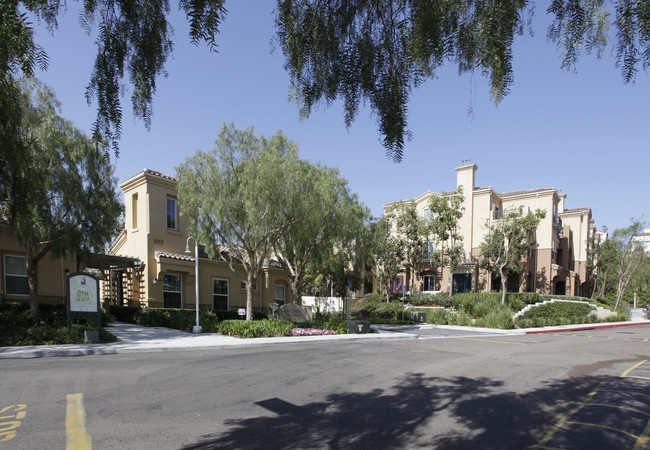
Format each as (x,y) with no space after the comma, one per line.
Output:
(589,327)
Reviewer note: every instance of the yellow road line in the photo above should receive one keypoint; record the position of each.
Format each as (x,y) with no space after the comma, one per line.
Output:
(625,374)
(642,441)
(597,425)
(627,408)
(492,340)
(76,437)
(621,391)
(567,416)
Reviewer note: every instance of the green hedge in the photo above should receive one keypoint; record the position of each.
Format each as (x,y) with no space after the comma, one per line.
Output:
(178,319)
(255,328)
(374,305)
(557,313)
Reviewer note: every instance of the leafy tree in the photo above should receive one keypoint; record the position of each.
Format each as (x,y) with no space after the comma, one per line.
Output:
(61,198)
(386,254)
(325,220)
(445,212)
(134,37)
(379,51)
(507,242)
(236,198)
(601,265)
(630,256)
(640,282)
(409,232)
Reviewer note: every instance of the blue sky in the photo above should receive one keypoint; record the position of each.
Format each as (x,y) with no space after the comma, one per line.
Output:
(586,133)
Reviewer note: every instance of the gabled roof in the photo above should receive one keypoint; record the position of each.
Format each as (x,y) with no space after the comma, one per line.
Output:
(525,192)
(582,209)
(150,172)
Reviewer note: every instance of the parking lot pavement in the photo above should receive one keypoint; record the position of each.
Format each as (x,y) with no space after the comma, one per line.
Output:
(426,331)
(613,415)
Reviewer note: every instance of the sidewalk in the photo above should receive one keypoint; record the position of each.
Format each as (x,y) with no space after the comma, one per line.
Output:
(135,338)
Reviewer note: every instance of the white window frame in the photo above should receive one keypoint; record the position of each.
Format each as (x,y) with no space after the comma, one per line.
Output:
(428,214)
(431,284)
(277,299)
(180,285)
(14,275)
(174,202)
(227,295)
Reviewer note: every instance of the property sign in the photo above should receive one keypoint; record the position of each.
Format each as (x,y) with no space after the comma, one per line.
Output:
(83,298)
(241,311)
(84,293)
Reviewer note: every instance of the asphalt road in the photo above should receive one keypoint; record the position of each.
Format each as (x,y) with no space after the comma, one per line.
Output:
(578,390)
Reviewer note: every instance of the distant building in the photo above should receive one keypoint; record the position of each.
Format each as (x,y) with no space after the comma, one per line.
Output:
(556,265)
(644,239)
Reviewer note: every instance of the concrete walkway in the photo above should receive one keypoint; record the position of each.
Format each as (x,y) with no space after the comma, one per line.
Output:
(135,338)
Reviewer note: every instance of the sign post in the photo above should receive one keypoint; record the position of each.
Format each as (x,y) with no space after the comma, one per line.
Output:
(403,295)
(83,299)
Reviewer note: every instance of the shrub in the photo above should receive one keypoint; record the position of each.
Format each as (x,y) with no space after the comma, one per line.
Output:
(374,305)
(559,313)
(422,298)
(497,319)
(124,313)
(439,316)
(256,328)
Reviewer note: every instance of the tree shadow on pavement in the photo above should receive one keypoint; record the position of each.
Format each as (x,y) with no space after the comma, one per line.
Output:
(417,412)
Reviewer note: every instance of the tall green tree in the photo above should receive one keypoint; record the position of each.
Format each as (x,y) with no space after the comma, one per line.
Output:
(377,52)
(134,40)
(325,221)
(601,264)
(61,198)
(630,257)
(386,254)
(442,223)
(409,231)
(236,198)
(506,242)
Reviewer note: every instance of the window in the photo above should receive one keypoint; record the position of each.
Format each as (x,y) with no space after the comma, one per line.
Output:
(278,294)
(429,283)
(16,275)
(171,213)
(427,251)
(428,214)
(172,291)
(219,294)
(243,286)
(134,211)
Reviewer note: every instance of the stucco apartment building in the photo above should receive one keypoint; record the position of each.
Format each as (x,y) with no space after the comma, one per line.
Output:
(156,234)
(557,264)
(147,264)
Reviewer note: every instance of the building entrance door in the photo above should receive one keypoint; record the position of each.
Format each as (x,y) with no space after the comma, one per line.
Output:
(461,282)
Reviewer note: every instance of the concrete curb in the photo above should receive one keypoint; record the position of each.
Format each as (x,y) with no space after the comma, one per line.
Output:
(164,339)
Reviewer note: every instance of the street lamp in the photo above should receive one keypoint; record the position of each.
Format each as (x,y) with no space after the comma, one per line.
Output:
(197,328)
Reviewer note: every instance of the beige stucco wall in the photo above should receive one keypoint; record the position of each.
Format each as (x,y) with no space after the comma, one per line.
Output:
(151,235)
(51,272)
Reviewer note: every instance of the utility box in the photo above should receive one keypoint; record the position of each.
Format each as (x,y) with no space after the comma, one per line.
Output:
(91,336)
(358,326)
(418,316)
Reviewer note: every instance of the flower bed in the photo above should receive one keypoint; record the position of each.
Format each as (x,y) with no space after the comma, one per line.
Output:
(310,331)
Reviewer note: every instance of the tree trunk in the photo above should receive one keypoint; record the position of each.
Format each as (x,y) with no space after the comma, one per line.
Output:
(503,286)
(451,282)
(295,291)
(250,285)
(32,281)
